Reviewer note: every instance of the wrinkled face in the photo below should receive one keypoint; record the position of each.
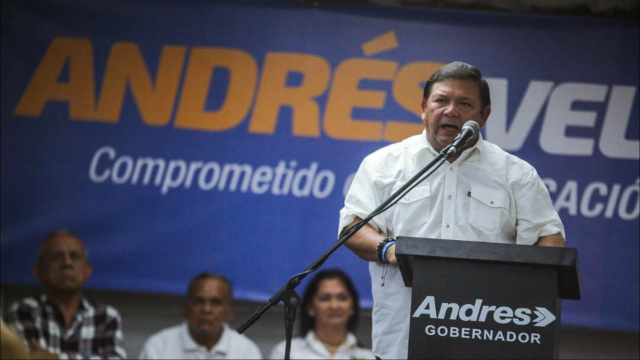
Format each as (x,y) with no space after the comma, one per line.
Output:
(332,304)
(208,308)
(451,103)
(63,266)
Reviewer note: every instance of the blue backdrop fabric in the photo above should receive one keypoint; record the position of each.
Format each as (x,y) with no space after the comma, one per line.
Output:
(177,137)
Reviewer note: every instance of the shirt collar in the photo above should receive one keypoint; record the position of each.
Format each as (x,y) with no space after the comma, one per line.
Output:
(352,342)
(189,345)
(425,148)
(314,343)
(474,152)
(85,306)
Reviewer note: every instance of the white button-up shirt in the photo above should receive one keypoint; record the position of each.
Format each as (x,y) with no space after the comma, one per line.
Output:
(176,343)
(310,347)
(485,195)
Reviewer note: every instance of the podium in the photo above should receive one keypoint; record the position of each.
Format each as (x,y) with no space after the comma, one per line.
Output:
(476,300)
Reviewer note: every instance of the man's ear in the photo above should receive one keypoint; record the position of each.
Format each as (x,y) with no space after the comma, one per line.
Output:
(36,271)
(484,115)
(88,270)
(422,104)
(231,313)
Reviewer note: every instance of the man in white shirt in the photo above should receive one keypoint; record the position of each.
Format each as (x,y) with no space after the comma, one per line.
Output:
(205,334)
(480,194)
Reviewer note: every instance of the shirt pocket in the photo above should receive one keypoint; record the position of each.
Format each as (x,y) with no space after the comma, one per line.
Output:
(488,209)
(413,209)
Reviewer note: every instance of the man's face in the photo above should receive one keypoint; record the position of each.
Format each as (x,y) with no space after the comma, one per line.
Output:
(63,266)
(451,103)
(208,308)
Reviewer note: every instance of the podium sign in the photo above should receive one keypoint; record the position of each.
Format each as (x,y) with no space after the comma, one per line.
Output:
(485,300)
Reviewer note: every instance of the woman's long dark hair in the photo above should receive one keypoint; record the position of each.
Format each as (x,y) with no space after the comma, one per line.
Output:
(309,323)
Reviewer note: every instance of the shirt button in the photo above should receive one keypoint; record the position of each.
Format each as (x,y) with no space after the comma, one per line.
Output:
(492,203)
(447,226)
(450,169)
(407,198)
(449,197)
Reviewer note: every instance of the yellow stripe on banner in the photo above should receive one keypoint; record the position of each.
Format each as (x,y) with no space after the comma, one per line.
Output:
(384,42)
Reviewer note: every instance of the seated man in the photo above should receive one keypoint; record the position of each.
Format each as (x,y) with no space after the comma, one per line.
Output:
(205,334)
(62,323)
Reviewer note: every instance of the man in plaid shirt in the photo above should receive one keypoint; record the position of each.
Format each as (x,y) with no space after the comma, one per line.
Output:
(61,323)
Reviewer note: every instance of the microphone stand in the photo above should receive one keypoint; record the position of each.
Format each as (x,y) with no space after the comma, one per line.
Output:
(288,295)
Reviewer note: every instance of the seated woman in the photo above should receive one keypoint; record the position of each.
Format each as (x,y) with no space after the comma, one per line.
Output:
(330,312)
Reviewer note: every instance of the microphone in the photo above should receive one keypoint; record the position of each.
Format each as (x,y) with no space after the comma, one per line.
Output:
(470,130)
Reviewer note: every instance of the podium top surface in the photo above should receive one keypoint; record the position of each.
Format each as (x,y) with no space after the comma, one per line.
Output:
(566,259)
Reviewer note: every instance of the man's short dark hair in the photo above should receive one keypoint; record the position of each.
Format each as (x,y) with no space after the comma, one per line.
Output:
(209,276)
(461,71)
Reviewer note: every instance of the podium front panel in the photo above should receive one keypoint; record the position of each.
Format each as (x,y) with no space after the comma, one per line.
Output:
(483,310)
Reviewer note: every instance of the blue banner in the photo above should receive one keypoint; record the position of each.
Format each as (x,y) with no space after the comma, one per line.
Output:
(176,137)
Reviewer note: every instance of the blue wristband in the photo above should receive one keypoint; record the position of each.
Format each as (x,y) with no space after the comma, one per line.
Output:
(385,248)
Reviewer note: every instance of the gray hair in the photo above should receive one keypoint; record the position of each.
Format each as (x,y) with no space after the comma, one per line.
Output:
(209,276)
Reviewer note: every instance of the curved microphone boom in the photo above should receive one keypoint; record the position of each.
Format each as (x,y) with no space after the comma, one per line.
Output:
(470,130)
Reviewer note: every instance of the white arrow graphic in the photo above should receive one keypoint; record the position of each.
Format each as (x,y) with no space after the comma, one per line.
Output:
(545,317)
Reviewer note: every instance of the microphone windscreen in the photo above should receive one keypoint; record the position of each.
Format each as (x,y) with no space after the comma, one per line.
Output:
(473,126)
